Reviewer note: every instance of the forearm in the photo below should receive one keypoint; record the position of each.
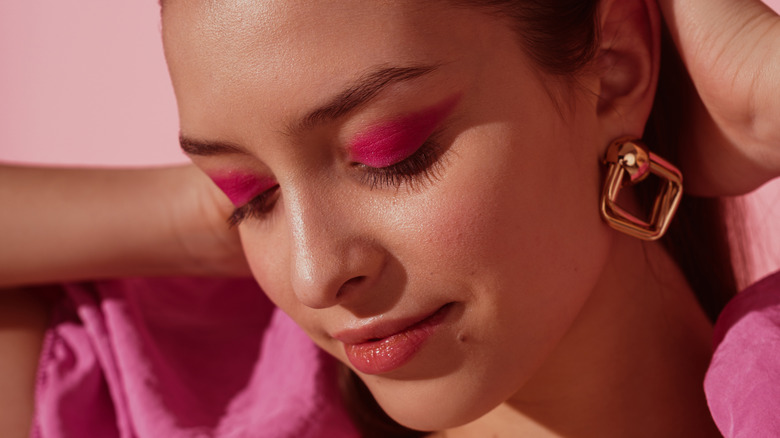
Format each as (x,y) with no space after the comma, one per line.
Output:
(24,317)
(731,49)
(73,224)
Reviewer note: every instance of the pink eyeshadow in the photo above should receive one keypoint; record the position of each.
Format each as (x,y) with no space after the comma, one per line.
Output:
(241,188)
(394,141)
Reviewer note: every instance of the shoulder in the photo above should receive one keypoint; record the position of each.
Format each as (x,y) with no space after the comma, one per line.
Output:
(743,381)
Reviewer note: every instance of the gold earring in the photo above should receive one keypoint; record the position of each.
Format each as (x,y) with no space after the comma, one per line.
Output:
(628,156)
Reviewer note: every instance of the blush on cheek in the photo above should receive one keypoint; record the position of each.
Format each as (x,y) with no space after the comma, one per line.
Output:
(241,188)
(392,142)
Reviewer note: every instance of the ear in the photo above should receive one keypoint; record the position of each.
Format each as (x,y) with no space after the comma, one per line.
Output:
(627,66)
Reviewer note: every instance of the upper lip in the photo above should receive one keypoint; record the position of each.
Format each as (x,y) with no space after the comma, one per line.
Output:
(373,331)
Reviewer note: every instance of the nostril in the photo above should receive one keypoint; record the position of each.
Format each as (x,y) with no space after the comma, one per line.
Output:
(352,282)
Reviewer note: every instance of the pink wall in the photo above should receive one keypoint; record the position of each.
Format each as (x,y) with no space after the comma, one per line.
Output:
(85,83)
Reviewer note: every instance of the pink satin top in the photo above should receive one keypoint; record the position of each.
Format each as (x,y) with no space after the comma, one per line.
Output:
(743,381)
(213,358)
(173,358)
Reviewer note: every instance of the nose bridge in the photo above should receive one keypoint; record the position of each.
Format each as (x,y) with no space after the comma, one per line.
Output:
(327,251)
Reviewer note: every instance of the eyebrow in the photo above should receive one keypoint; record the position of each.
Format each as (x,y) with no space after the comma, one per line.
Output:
(194,147)
(352,97)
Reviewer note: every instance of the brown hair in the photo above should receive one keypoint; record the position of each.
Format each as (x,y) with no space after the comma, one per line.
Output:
(562,36)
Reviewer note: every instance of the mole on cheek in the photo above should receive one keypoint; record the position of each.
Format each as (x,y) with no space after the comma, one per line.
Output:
(241,188)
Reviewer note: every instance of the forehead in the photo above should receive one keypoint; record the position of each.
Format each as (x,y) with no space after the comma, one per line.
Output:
(297,52)
(232,39)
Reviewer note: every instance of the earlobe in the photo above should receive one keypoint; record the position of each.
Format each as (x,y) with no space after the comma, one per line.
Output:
(627,64)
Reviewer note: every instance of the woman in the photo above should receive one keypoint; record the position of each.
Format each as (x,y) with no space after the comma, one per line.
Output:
(432,187)
(417,187)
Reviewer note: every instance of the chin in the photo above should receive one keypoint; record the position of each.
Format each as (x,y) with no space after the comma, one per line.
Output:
(432,405)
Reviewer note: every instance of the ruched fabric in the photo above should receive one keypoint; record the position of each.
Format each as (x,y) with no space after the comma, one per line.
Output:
(170,358)
(743,381)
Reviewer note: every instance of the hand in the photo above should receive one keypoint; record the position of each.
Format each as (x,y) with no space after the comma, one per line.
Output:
(731,49)
(200,223)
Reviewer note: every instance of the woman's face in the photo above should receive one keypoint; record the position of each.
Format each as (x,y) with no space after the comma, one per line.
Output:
(410,192)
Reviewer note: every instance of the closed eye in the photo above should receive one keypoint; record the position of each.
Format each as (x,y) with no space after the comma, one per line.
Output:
(423,166)
(257,208)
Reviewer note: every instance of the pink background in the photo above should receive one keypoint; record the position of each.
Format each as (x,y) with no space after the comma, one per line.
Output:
(85,83)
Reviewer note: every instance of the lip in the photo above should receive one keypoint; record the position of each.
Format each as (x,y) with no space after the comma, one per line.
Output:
(383,347)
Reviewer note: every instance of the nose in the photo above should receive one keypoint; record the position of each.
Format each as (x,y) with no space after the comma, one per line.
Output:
(332,260)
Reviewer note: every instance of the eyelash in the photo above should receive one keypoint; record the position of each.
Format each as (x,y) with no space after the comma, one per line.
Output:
(257,208)
(422,167)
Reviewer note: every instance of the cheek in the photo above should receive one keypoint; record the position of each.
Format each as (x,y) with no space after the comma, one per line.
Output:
(520,298)
(522,210)
(519,240)
(268,262)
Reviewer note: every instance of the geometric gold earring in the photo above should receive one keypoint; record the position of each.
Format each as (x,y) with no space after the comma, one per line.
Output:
(630,162)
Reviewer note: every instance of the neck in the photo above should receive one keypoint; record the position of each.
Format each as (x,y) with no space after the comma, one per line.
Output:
(632,364)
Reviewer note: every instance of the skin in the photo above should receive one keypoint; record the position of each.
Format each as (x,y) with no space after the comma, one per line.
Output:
(733,149)
(730,50)
(79,224)
(65,218)
(552,309)
(23,319)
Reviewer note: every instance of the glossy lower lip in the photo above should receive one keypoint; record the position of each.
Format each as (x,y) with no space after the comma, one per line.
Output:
(379,356)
